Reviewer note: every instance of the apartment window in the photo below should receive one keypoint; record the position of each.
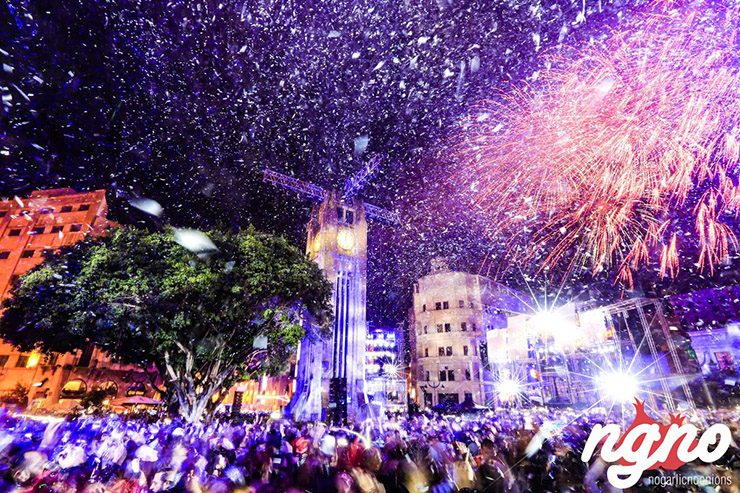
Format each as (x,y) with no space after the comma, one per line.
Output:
(57,229)
(416,288)
(472,326)
(439,328)
(451,375)
(4,255)
(449,350)
(426,352)
(75,227)
(45,210)
(438,305)
(14,232)
(445,305)
(471,305)
(467,374)
(448,328)
(3,213)
(464,326)
(425,329)
(461,303)
(66,208)
(475,350)
(37,231)
(27,254)
(441,351)
(468,396)
(22,361)
(427,376)
(442,376)
(465,350)
(85,207)
(4,360)
(423,308)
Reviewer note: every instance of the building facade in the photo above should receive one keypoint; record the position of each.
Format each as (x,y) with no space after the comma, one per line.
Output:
(45,222)
(30,228)
(452,312)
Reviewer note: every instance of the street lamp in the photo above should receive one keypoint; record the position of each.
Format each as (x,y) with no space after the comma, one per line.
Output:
(434,387)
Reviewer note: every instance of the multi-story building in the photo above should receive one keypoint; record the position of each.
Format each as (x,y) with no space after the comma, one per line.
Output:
(44,222)
(30,228)
(452,313)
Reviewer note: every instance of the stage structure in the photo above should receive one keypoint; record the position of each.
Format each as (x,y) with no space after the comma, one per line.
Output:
(331,372)
(578,355)
(645,340)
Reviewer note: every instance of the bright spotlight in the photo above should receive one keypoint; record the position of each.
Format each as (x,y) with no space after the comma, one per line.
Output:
(508,389)
(391,370)
(619,387)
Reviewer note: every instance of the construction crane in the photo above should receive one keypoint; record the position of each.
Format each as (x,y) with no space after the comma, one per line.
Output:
(352,186)
(355,183)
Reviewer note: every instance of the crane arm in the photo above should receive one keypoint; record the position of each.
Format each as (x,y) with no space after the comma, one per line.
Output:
(285,181)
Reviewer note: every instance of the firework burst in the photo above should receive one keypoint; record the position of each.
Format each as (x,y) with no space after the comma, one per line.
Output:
(603,160)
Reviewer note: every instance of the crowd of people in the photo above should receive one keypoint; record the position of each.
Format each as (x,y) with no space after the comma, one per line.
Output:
(512,450)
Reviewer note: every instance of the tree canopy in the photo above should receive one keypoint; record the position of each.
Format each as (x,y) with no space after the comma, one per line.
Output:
(206,318)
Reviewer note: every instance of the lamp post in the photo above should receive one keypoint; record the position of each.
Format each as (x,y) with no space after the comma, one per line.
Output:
(434,386)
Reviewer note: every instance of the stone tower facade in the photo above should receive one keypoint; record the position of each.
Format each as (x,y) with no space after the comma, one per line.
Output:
(452,313)
(331,372)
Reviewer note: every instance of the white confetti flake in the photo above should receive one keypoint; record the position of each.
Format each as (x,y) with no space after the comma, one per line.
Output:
(361,143)
(195,241)
(260,342)
(149,206)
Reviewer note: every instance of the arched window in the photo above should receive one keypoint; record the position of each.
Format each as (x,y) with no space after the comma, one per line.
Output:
(136,388)
(109,386)
(74,389)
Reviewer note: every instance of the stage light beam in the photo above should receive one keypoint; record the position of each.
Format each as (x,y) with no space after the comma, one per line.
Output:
(508,389)
(618,386)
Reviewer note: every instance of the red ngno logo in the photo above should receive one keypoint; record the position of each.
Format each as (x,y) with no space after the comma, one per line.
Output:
(641,418)
(647,444)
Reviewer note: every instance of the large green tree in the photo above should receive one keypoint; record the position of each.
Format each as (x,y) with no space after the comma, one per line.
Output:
(227,307)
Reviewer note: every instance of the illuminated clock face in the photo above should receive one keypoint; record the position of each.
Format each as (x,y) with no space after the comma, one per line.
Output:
(345,239)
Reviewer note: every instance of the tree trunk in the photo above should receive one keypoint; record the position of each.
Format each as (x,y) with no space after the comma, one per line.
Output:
(196,405)
(212,406)
(193,407)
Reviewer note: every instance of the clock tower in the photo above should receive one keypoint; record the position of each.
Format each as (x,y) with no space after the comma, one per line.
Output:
(331,372)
